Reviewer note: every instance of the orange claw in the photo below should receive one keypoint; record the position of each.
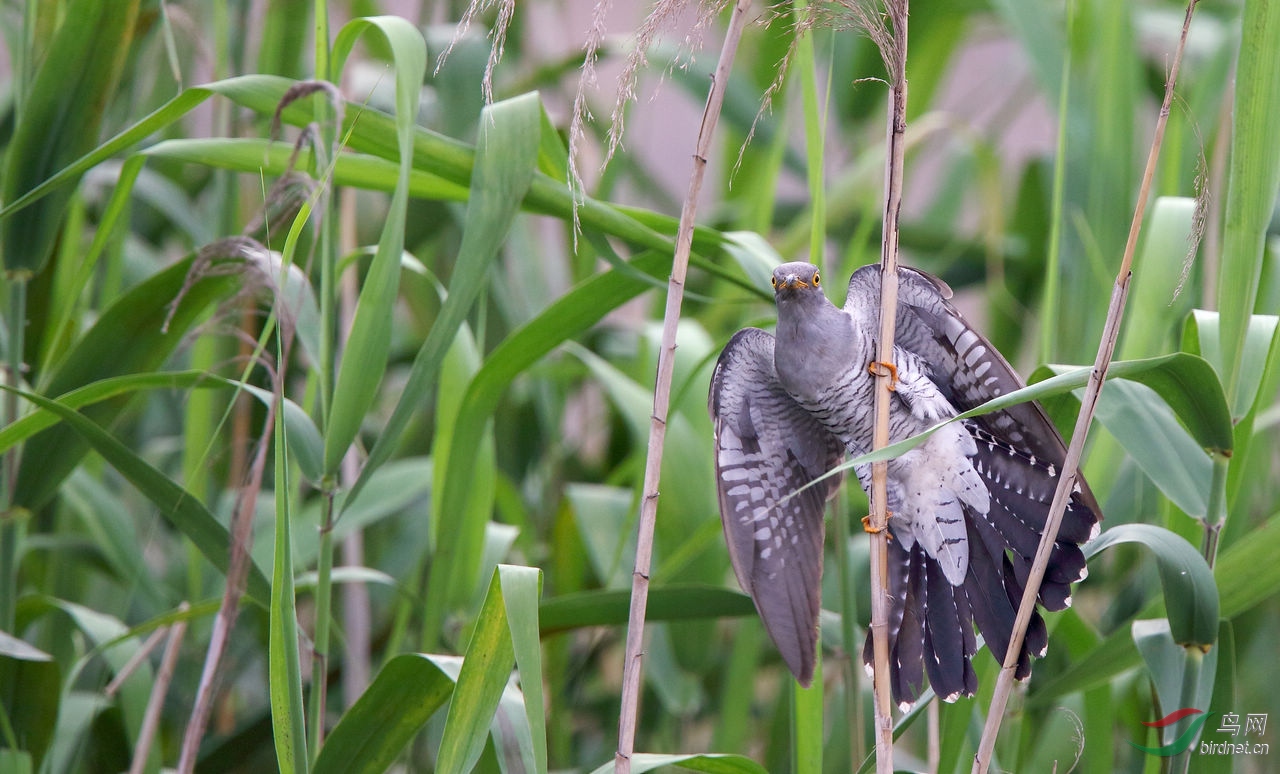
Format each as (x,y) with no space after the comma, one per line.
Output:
(881,368)
(866,527)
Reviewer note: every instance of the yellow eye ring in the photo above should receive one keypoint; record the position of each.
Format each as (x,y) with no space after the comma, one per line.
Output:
(816,279)
(773,281)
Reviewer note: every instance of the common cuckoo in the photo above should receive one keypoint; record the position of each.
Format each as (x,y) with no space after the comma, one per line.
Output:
(968,506)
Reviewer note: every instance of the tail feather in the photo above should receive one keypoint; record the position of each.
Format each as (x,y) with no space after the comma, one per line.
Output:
(948,632)
(1036,640)
(994,592)
(908,649)
(1066,562)
(931,622)
(1066,566)
(905,629)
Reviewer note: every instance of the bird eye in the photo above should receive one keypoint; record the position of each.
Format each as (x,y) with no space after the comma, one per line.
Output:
(773,281)
(816,279)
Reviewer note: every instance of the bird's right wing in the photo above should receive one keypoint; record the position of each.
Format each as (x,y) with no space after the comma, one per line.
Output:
(767,448)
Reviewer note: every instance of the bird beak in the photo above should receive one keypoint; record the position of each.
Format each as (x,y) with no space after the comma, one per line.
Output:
(792,282)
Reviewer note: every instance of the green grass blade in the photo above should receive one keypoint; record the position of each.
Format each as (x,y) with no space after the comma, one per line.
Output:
(711,763)
(303,437)
(1154,312)
(1149,431)
(110,638)
(398,487)
(105,516)
(690,507)
(368,738)
(284,672)
(1202,335)
(1254,389)
(1248,572)
(1190,592)
(1224,695)
(1183,677)
(676,602)
(521,589)
(54,340)
(184,511)
(1057,212)
(1253,180)
(1186,382)
(1039,31)
(61,119)
(264,90)
(129,337)
(258,156)
(1247,575)
(1190,387)
(40,419)
(112,644)
(807,723)
(365,356)
(603,517)
(374,133)
(504,166)
(485,671)
(457,572)
(32,684)
(505,161)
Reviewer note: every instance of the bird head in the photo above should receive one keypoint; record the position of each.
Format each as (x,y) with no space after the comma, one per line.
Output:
(808,324)
(797,278)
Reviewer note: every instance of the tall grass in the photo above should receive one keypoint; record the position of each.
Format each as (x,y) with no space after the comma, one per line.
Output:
(489,386)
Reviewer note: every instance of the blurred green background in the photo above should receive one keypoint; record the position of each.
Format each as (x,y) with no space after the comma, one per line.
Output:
(406,408)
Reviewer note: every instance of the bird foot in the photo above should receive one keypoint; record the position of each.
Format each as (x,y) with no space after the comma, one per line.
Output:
(873,530)
(881,368)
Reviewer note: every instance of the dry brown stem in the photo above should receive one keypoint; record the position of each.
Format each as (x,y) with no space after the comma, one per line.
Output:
(1070,467)
(662,394)
(224,623)
(895,62)
(242,517)
(155,703)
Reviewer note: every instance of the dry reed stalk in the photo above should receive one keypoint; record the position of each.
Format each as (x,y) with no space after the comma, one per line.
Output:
(662,394)
(151,716)
(242,516)
(224,623)
(895,58)
(1088,404)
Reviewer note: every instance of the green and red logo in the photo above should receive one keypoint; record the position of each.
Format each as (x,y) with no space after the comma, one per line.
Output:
(1183,741)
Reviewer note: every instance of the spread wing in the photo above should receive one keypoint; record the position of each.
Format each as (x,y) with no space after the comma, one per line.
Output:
(1019,447)
(767,448)
(1018,453)
(1020,450)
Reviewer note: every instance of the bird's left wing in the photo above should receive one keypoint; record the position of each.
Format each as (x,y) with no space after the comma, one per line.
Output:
(768,448)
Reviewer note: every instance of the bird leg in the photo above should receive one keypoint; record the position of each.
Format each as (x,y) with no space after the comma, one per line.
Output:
(881,368)
(866,526)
